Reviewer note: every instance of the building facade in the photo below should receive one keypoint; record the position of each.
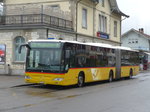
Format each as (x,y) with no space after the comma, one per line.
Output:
(136,39)
(77,20)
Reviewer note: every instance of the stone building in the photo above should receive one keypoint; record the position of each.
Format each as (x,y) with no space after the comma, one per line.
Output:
(79,20)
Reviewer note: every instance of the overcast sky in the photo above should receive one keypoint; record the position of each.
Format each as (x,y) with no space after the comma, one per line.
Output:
(139,12)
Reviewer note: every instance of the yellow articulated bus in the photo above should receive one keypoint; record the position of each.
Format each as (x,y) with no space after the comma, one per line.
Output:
(59,62)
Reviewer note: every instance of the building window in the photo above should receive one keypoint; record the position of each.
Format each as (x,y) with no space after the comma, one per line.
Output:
(17,42)
(136,41)
(133,41)
(84,18)
(115,28)
(129,41)
(1,8)
(102,2)
(102,24)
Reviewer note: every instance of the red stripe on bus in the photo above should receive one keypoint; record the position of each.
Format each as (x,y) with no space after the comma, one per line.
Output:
(77,68)
(103,67)
(92,67)
(46,73)
(131,66)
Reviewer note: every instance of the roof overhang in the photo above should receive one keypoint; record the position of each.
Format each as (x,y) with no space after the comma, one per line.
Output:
(115,8)
(136,32)
(95,1)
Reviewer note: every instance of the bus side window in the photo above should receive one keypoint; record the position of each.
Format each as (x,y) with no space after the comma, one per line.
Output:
(67,55)
(70,55)
(81,61)
(67,59)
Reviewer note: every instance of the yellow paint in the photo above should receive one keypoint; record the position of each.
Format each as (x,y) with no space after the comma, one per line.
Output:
(93,12)
(89,30)
(71,77)
(63,5)
(125,71)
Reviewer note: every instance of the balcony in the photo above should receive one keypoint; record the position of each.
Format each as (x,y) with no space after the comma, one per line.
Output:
(34,20)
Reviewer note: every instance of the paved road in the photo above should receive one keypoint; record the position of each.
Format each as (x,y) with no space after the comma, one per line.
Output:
(120,96)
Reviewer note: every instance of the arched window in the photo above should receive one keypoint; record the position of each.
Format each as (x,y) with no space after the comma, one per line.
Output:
(18,41)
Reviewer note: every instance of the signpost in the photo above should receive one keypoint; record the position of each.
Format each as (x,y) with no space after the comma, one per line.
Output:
(102,35)
(2,53)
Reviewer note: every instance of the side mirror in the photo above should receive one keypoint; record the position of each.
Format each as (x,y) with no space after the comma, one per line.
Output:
(20,47)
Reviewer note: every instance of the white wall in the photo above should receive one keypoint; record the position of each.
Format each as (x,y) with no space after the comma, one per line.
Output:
(128,40)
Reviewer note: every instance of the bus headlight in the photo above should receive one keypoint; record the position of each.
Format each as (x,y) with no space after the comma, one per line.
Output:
(27,77)
(58,79)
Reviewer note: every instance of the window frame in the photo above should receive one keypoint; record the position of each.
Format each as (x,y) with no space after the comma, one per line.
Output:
(115,28)
(102,23)
(15,60)
(84,18)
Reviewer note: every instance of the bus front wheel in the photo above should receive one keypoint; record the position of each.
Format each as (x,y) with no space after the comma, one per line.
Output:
(80,80)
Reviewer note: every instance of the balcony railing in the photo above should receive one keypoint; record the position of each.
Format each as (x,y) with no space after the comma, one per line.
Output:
(35,19)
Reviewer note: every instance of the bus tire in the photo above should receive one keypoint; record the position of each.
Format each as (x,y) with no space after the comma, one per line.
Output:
(81,78)
(130,73)
(110,76)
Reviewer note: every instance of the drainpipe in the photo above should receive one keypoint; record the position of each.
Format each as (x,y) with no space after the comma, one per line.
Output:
(47,31)
(77,18)
(93,23)
(121,29)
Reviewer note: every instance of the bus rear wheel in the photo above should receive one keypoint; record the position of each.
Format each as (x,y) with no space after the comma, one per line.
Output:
(110,77)
(130,74)
(80,80)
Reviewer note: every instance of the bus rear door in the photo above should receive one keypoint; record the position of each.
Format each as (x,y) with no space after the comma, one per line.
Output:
(118,63)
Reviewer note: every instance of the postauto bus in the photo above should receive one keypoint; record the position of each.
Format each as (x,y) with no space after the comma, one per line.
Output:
(59,62)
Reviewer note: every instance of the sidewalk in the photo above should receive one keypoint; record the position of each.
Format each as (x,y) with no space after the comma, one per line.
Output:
(145,71)
(11,81)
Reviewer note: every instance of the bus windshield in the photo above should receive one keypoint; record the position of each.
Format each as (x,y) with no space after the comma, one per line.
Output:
(42,58)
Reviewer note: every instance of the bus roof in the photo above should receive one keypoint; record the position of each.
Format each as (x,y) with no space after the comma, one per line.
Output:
(100,45)
(92,44)
(125,48)
(63,41)
(147,53)
(76,42)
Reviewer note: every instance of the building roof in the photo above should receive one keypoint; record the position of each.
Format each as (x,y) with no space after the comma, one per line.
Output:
(137,32)
(115,8)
